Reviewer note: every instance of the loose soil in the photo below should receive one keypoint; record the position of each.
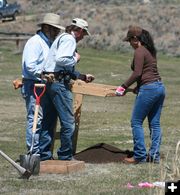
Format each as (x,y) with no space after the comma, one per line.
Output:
(102,153)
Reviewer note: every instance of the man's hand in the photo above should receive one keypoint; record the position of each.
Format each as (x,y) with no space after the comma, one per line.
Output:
(48,77)
(120,91)
(17,83)
(89,78)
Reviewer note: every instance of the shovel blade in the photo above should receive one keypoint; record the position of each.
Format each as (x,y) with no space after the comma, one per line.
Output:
(31,163)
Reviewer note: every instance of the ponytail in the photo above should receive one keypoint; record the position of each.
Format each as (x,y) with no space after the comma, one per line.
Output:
(147,41)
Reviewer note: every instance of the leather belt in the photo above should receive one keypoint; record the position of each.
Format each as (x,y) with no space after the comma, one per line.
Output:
(57,76)
(31,80)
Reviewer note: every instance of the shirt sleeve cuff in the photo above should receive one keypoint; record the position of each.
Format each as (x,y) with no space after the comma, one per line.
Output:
(124,86)
(82,77)
(75,59)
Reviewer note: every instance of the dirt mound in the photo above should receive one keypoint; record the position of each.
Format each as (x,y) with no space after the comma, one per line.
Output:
(102,153)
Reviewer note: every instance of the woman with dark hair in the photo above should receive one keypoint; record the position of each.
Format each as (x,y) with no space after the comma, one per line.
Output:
(150,95)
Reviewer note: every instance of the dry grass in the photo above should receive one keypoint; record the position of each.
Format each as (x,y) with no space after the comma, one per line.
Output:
(175,164)
(102,120)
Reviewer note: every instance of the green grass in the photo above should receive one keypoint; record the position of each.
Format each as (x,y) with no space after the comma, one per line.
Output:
(102,120)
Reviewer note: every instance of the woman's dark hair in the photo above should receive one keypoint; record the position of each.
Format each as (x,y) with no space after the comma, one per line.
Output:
(147,41)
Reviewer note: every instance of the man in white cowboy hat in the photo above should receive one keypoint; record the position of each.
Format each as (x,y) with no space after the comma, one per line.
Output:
(34,54)
(60,63)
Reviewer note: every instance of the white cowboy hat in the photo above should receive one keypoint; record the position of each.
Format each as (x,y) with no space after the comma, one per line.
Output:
(52,20)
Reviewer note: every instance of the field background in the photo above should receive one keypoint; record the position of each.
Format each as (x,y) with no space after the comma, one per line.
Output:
(103,119)
(108,20)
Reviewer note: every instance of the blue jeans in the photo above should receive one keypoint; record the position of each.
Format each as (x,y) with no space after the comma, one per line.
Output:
(63,101)
(148,103)
(48,124)
(46,121)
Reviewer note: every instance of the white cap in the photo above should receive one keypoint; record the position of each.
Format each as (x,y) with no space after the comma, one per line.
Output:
(81,24)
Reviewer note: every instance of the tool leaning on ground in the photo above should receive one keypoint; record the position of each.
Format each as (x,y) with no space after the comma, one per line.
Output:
(31,161)
(25,174)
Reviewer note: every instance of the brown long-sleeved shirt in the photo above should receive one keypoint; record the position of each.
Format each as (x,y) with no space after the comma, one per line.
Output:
(144,68)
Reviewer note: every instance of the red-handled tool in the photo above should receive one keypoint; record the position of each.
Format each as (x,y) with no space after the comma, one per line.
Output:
(31,161)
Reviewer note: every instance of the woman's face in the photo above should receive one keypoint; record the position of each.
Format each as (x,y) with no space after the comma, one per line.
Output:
(134,42)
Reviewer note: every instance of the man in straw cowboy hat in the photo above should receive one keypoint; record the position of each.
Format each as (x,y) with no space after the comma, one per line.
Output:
(34,55)
(60,63)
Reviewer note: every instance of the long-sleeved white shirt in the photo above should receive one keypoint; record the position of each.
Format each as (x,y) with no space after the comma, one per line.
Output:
(34,54)
(61,54)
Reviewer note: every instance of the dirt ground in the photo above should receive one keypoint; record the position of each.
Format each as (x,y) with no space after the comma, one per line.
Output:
(102,153)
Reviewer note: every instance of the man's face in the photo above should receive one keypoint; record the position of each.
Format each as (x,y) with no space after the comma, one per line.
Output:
(80,34)
(53,32)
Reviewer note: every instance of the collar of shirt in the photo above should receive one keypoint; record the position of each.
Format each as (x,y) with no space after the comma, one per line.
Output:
(72,33)
(44,37)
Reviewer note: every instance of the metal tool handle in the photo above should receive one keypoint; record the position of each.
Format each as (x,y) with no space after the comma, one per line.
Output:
(18,167)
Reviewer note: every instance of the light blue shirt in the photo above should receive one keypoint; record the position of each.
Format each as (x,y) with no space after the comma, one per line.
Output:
(61,54)
(34,54)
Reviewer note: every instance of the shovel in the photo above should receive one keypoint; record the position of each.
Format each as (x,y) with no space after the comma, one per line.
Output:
(30,161)
(25,174)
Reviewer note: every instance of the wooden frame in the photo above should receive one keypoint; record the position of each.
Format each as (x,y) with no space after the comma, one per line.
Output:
(80,88)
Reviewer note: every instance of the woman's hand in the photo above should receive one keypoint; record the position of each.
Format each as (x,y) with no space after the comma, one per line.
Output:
(120,91)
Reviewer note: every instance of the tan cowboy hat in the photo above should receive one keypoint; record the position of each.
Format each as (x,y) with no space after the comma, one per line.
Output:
(52,20)
(81,24)
(134,31)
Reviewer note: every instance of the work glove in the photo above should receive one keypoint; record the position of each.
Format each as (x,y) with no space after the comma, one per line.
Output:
(120,91)
(89,78)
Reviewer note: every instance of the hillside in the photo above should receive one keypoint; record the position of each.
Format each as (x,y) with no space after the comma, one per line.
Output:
(109,20)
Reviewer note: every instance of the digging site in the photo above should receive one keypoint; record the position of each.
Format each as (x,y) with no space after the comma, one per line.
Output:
(88,94)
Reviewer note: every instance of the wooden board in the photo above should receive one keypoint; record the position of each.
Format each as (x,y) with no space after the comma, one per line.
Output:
(61,166)
(94,89)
